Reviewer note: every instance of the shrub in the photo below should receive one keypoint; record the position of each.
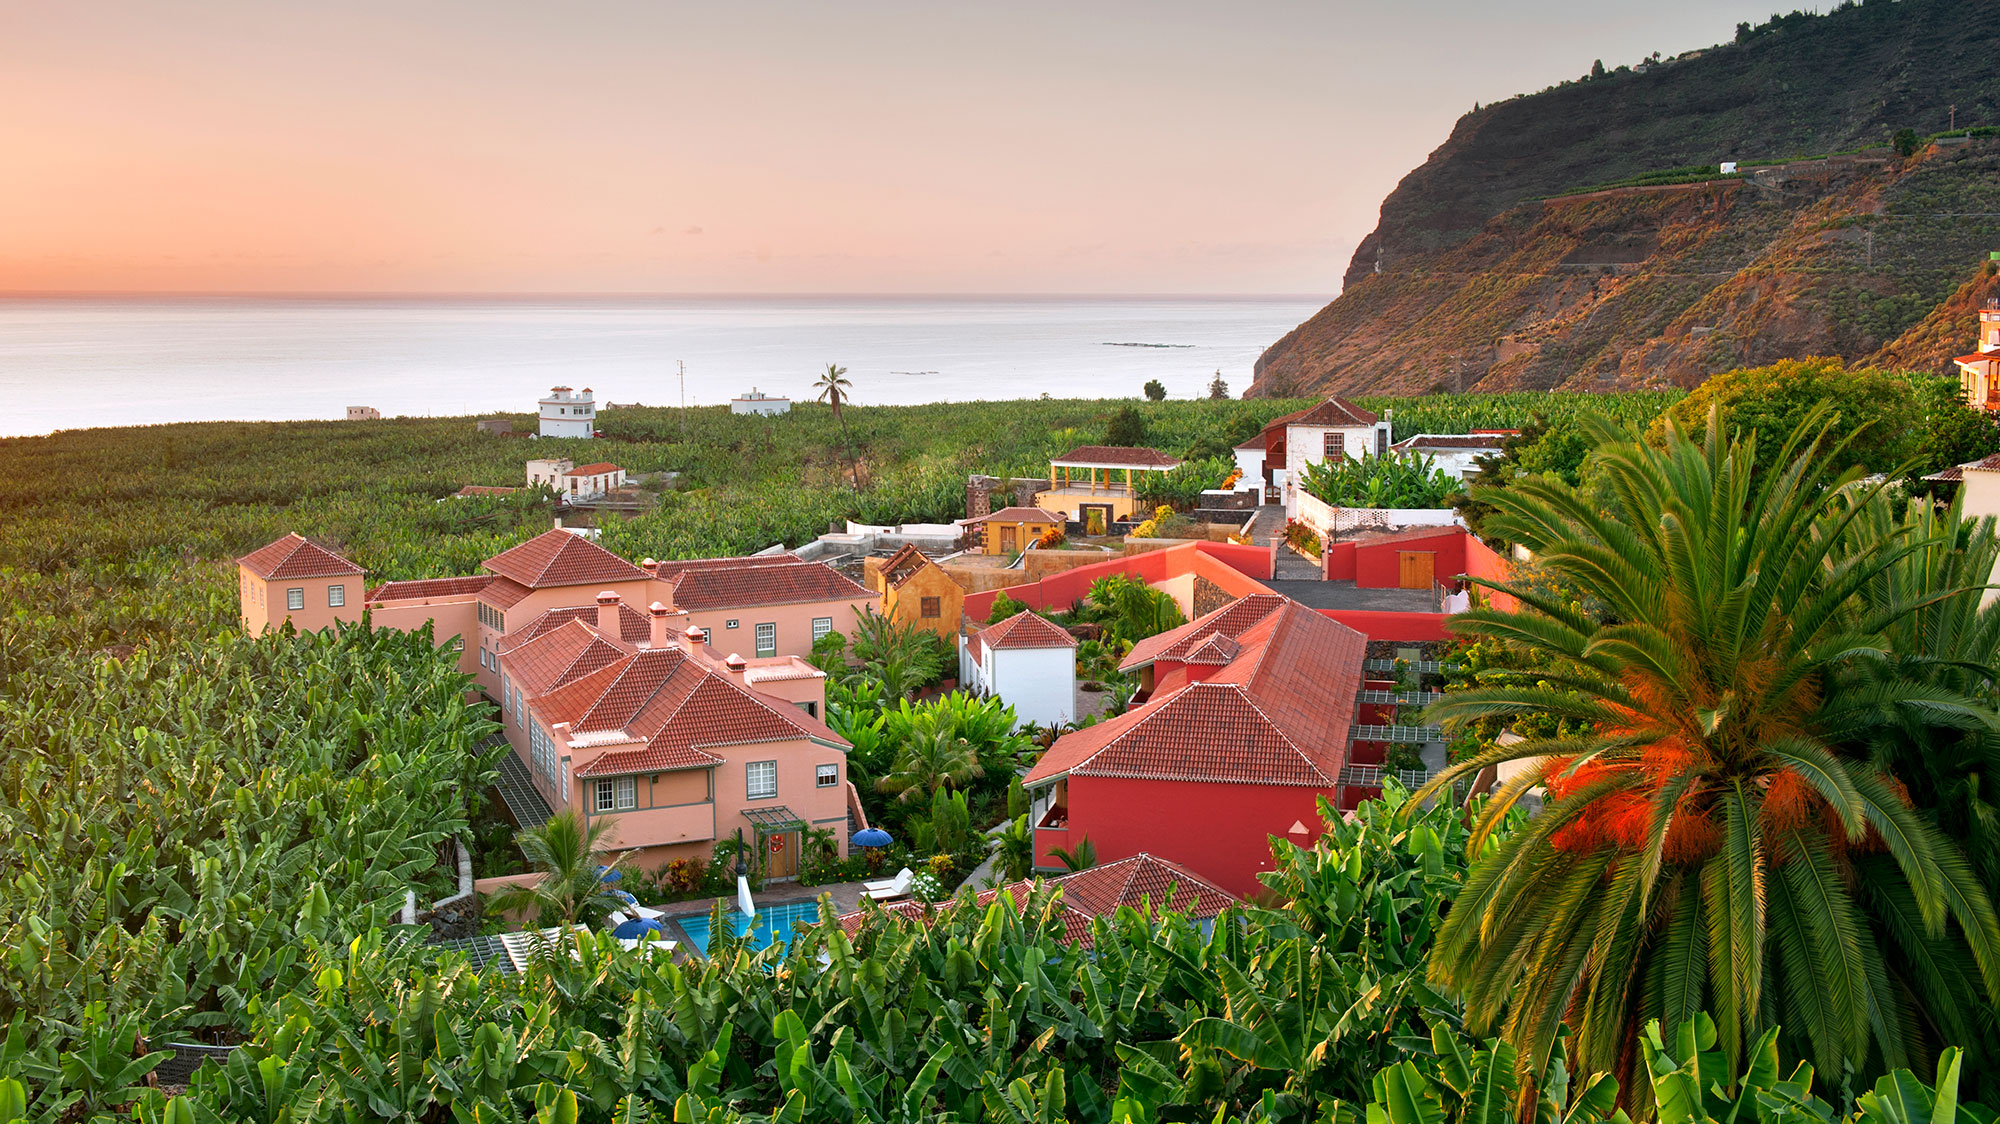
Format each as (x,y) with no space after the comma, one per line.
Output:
(1302,536)
(1394,481)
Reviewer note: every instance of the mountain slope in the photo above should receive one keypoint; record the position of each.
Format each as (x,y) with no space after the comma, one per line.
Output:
(1467,282)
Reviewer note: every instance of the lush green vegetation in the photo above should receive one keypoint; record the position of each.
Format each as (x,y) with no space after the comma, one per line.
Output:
(1742,668)
(1372,481)
(189,827)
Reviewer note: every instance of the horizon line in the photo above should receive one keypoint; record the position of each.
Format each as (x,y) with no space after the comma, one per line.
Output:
(595,294)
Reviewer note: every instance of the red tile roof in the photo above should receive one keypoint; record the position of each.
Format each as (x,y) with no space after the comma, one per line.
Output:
(1336,412)
(1278,714)
(1989,463)
(1231,620)
(559,656)
(1216,651)
(504,593)
(1101,891)
(734,585)
(1978,357)
(296,557)
(676,705)
(634,627)
(1024,630)
(903,565)
(598,469)
(557,558)
(1116,456)
(1017,515)
(430,587)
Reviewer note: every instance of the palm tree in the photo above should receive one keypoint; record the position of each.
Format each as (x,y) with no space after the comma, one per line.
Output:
(933,758)
(833,389)
(902,657)
(1706,844)
(571,889)
(1083,856)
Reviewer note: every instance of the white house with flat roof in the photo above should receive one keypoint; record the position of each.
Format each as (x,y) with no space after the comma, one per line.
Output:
(758,402)
(569,413)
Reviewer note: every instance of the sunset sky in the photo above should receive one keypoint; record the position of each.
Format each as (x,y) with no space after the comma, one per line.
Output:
(853,146)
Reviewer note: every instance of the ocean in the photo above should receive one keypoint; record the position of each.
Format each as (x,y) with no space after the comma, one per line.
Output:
(69,363)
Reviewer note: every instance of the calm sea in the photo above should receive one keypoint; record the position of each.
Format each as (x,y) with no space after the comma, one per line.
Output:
(71,362)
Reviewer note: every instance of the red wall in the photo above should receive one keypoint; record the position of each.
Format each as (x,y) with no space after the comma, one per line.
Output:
(1482,562)
(1219,831)
(1340,561)
(1378,565)
(1060,591)
(1377,624)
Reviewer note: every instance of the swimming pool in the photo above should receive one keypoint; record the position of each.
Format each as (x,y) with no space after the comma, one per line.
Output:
(774,924)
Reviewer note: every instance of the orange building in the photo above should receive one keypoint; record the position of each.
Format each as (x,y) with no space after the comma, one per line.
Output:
(1011,530)
(1979,372)
(297,580)
(915,591)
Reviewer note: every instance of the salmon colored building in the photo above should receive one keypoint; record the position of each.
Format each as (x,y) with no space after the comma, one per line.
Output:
(299,581)
(764,605)
(916,592)
(619,715)
(1247,724)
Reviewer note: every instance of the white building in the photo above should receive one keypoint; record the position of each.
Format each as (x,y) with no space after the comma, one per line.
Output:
(1457,454)
(591,480)
(569,413)
(758,402)
(1027,663)
(1979,490)
(363,413)
(549,472)
(1250,460)
(1334,428)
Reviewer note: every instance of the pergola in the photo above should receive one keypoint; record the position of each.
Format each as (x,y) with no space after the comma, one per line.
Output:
(1106,460)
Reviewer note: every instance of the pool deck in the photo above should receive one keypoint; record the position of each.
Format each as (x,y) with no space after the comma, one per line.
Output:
(846,899)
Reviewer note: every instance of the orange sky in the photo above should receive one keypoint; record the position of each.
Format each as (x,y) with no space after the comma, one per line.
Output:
(857,146)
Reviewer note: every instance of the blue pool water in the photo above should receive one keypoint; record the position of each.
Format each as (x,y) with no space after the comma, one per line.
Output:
(774,924)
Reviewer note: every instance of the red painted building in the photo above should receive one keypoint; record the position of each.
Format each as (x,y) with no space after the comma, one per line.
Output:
(1246,722)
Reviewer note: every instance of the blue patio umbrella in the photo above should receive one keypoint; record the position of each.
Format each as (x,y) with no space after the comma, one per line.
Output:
(636,928)
(624,897)
(609,874)
(871,837)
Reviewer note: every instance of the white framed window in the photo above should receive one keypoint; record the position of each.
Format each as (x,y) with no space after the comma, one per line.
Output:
(617,794)
(458,643)
(821,626)
(506,695)
(295,598)
(760,780)
(1336,446)
(731,623)
(826,776)
(520,706)
(767,639)
(336,596)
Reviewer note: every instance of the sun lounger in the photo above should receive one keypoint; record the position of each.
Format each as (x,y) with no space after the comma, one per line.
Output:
(902,878)
(632,906)
(897,887)
(650,946)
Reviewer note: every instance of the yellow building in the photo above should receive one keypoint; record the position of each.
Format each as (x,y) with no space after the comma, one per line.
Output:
(916,591)
(1095,485)
(1011,530)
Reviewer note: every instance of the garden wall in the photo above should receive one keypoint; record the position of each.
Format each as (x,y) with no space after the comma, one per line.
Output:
(1236,568)
(1336,522)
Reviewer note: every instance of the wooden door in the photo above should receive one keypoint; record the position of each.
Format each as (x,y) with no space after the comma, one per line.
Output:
(1418,568)
(781,855)
(1007,539)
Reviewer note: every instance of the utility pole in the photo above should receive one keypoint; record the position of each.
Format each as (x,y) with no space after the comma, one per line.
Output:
(1954,118)
(682,368)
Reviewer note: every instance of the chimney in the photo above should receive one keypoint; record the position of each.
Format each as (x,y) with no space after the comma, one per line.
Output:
(734,663)
(607,614)
(695,637)
(651,566)
(658,639)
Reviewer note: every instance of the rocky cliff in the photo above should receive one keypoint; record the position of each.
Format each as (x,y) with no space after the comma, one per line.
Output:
(1482,274)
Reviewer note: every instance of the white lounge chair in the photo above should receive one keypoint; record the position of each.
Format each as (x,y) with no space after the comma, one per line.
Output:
(646,913)
(614,919)
(897,887)
(903,877)
(649,945)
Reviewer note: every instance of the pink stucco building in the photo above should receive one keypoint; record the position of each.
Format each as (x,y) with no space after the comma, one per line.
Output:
(669,695)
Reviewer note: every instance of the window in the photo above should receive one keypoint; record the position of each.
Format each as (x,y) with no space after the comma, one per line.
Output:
(930,608)
(295,598)
(520,706)
(767,639)
(617,794)
(506,695)
(810,707)
(760,780)
(1336,446)
(729,624)
(826,776)
(821,626)
(458,643)
(336,596)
